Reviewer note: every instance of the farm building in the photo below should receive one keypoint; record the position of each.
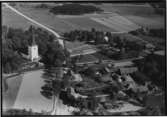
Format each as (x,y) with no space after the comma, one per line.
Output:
(77,48)
(160,53)
(127,70)
(123,64)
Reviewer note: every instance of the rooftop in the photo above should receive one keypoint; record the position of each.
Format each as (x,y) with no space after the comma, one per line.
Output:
(160,52)
(77,48)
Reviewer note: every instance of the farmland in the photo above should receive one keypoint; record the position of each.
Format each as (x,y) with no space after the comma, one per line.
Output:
(129,9)
(141,14)
(87,23)
(58,23)
(151,22)
(119,23)
(119,18)
(13,20)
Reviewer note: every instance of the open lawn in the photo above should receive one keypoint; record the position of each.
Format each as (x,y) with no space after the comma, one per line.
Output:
(29,95)
(10,91)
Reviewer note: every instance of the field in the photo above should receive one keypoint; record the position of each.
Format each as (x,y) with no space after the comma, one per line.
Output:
(60,24)
(118,23)
(151,22)
(11,19)
(86,23)
(129,9)
(126,17)
(12,89)
(29,95)
(64,24)
(141,14)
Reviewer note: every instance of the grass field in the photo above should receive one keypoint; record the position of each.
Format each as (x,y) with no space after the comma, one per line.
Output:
(118,23)
(29,95)
(141,14)
(11,19)
(132,16)
(86,23)
(10,95)
(129,9)
(63,24)
(151,22)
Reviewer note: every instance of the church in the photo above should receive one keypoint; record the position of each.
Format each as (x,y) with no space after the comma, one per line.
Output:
(33,55)
(33,50)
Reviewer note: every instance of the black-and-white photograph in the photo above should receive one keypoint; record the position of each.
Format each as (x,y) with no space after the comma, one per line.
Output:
(83,58)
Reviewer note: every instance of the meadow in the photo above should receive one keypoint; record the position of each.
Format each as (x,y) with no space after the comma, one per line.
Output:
(60,24)
(11,19)
(11,91)
(86,23)
(141,14)
(118,23)
(119,18)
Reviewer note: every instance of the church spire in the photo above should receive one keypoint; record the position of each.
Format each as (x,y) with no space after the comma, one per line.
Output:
(33,36)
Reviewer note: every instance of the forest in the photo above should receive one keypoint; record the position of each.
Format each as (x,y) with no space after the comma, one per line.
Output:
(74,9)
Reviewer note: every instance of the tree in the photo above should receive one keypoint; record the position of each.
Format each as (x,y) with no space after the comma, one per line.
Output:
(53,59)
(52,87)
(74,9)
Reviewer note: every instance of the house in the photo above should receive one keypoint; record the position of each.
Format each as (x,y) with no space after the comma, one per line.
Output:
(150,46)
(77,77)
(77,48)
(160,53)
(127,70)
(123,63)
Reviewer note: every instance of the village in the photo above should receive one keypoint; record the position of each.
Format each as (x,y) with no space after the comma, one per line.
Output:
(91,72)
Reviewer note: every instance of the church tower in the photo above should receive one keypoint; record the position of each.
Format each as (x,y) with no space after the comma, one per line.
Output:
(33,48)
